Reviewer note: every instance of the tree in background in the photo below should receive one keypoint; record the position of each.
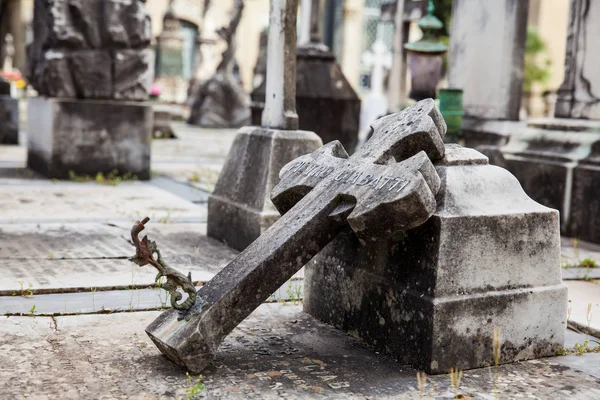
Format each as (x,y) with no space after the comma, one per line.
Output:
(537,61)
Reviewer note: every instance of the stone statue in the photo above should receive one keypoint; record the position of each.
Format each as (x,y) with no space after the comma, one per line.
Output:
(221,101)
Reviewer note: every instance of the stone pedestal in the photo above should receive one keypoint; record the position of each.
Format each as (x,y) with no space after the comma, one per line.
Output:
(240,208)
(489,257)
(325,101)
(482,133)
(9,120)
(557,162)
(88,136)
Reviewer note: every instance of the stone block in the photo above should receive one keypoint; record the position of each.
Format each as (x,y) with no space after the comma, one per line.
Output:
(88,136)
(92,73)
(127,24)
(87,49)
(484,132)
(139,26)
(489,257)
(133,74)
(487,50)
(240,208)
(86,13)
(9,120)
(579,95)
(57,25)
(584,218)
(57,79)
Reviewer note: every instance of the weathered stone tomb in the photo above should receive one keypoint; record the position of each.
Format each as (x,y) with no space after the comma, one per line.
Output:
(488,258)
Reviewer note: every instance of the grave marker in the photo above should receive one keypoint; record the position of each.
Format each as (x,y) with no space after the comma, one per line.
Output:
(92,64)
(239,209)
(389,185)
(320,85)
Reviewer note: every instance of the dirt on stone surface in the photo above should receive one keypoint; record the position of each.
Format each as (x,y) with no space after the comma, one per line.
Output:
(278,352)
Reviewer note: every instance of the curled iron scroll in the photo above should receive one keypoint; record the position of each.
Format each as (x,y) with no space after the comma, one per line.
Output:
(144,255)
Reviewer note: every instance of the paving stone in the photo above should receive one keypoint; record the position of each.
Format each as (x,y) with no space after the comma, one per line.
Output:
(590,364)
(56,257)
(581,294)
(277,352)
(85,202)
(186,191)
(580,273)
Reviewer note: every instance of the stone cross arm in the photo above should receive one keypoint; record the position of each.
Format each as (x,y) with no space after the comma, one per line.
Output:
(387,186)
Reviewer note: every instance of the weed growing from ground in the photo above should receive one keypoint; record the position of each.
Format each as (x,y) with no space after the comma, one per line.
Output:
(455,378)
(24,292)
(294,293)
(496,347)
(195,177)
(582,348)
(421,383)
(196,387)
(112,178)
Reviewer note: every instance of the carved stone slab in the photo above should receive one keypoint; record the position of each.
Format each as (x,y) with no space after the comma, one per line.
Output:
(389,185)
(491,79)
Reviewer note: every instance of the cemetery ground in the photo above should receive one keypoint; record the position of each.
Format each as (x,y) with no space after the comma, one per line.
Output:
(74,309)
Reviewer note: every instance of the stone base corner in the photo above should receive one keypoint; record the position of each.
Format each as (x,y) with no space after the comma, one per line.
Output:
(240,209)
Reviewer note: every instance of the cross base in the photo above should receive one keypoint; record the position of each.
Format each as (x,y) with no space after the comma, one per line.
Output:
(489,258)
(239,209)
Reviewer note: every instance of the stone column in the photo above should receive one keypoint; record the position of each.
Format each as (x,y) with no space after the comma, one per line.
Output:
(579,95)
(240,208)
(280,102)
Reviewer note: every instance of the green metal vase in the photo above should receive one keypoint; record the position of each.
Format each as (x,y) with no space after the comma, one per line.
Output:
(451,107)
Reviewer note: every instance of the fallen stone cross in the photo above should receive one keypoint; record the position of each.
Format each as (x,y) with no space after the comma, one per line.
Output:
(388,185)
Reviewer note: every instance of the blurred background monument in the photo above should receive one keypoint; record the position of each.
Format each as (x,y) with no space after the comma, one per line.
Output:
(92,66)
(326,102)
(169,59)
(221,101)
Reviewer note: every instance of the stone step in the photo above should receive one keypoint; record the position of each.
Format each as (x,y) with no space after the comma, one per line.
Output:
(90,302)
